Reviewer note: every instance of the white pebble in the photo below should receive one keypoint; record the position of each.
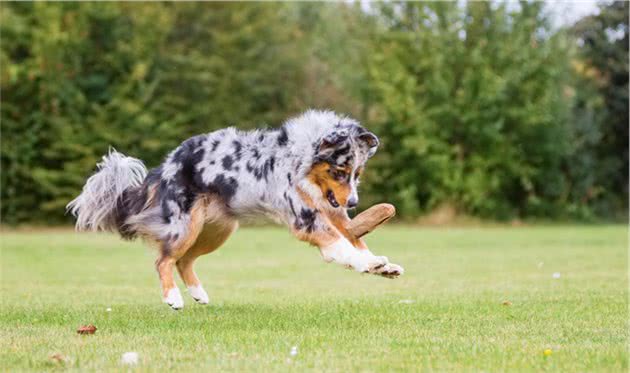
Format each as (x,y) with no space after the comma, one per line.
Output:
(293,351)
(129,358)
(556,275)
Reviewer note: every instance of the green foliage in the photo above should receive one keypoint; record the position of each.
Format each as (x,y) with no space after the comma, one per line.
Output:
(78,78)
(601,108)
(482,107)
(472,106)
(74,83)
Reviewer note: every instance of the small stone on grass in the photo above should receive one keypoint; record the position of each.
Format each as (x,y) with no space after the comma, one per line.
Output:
(129,358)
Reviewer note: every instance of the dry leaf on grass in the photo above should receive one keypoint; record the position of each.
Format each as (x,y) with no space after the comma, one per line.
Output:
(57,358)
(87,329)
(507,303)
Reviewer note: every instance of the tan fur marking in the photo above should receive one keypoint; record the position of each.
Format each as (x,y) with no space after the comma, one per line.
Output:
(319,238)
(215,232)
(164,266)
(197,219)
(207,211)
(338,219)
(320,176)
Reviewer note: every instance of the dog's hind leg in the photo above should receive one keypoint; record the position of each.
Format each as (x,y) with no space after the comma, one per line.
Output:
(171,252)
(214,233)
(170,291)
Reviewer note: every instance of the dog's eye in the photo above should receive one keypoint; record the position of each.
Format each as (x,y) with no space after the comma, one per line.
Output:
(339,175)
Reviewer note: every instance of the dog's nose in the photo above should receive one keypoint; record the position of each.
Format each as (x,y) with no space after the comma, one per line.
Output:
(352,202)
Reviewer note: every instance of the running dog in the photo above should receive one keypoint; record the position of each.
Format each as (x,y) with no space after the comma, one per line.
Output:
(304,174)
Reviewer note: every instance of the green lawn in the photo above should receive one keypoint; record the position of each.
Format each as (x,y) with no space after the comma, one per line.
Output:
(269,293)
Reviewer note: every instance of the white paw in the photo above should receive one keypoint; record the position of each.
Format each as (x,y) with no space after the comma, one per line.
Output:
(199,294)
(174,299)
(342,252)
(374,262)
(389,270)
(361,260)
(365,262)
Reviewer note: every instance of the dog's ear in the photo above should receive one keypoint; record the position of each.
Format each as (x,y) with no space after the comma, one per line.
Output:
(370,140)
(330,143)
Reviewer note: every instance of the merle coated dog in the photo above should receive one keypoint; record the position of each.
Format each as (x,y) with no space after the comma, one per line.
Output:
(303,174)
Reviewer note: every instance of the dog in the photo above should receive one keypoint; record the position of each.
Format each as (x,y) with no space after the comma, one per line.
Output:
(303,174)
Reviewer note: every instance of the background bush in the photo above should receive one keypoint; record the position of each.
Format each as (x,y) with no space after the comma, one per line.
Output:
(486,108)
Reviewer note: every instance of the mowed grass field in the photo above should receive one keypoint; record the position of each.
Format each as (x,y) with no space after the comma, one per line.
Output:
(270,293)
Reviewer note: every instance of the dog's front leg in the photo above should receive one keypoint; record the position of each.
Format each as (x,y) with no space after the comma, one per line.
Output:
(335,247)
(379,265)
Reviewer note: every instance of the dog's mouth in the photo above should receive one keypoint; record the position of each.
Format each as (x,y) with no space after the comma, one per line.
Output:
(330,196)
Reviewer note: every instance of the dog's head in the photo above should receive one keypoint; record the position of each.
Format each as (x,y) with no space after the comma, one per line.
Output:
(340,157)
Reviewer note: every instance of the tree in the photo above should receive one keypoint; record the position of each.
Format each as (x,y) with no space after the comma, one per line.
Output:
(601,107)
(471,108)
(481,106)
(80,77)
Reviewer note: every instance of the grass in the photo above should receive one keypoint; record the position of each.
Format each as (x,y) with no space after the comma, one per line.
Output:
(270,293)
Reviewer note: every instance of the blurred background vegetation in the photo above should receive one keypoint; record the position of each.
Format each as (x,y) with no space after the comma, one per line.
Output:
(485,109)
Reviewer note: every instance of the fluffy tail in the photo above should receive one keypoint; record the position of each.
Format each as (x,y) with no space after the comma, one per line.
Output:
(95,207)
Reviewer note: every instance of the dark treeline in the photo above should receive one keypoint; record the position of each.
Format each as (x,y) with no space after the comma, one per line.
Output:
(485,108)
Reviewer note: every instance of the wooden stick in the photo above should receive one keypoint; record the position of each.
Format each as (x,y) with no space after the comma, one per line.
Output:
(369,219)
